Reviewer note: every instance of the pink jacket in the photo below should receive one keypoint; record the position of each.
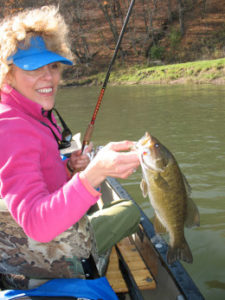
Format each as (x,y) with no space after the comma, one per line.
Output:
(33,178)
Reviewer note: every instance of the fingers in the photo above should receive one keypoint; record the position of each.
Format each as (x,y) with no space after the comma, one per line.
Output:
(117,164)
(121,146)
(128,158)
(82,161)
(75,154)
(79,161)
(123,172)
(123,168)
(88,148)
(115,160)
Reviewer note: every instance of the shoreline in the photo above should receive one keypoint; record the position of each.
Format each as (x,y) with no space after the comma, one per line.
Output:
(199,72)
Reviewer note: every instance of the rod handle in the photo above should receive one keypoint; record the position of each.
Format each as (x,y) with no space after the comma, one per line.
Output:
(87,135)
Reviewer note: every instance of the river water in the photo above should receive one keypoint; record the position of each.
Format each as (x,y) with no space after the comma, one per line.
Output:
(188,120)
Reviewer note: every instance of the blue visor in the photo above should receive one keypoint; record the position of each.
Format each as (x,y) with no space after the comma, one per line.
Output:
(36,56)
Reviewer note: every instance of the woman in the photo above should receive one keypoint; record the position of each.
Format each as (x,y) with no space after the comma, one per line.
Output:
(46,196)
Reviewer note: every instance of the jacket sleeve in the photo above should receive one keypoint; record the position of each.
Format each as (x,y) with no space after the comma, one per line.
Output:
(41,214)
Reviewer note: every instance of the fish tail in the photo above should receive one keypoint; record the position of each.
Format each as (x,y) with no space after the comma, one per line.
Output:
(179,252)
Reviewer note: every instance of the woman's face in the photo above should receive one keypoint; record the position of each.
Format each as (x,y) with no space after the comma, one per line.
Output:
(39,85)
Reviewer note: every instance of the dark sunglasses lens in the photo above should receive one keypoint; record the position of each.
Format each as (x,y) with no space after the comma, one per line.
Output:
(67,135)
(64,144)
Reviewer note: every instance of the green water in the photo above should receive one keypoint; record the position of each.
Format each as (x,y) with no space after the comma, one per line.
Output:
(189,120)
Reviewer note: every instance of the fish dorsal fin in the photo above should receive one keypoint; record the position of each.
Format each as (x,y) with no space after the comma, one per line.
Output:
(144,188)
(192,217)
(159,227)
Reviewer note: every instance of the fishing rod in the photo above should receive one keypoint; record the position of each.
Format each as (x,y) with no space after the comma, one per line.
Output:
(90,128)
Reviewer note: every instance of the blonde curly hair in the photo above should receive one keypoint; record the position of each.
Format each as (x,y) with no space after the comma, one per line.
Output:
(46,22)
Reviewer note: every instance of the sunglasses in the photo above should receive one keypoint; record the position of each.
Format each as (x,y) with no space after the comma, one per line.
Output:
(65,142)
(66,133)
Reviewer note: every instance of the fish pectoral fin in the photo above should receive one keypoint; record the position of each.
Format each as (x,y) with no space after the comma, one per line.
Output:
(192,217)
(161,182)
(158,226)
(144,188)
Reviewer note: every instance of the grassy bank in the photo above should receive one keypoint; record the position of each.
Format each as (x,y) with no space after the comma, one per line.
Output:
(200,72)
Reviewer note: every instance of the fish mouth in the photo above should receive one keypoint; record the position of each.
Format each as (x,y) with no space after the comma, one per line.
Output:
(144,142)
(149,165)
(139,146)
(143,151)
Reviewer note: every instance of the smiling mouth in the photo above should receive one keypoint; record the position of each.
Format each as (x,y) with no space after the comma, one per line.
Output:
(45,90)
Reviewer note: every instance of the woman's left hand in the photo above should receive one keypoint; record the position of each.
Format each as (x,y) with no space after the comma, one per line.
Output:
(79,161)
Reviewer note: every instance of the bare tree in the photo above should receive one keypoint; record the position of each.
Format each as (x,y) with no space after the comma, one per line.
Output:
(149,9)
(170,18)
(112,9)
(80,47)
(105,8)
(204,5)
(181,15)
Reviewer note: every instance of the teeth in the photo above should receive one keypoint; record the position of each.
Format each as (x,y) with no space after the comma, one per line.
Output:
(47,90)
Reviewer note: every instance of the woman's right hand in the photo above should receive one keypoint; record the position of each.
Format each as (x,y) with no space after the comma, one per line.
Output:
(113,161)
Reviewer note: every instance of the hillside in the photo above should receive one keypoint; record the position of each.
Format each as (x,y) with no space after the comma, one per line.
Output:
(159,31)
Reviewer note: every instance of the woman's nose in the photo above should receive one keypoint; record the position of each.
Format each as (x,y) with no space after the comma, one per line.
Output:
(47,72)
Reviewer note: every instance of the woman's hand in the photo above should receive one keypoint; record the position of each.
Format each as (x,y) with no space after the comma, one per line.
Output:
(110,161)
(78,161)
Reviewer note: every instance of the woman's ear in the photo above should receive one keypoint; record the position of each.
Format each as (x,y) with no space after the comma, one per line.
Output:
(6,88)
(9,78)
(7,84)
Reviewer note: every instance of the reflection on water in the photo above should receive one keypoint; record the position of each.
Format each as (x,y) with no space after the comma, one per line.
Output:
(189,120)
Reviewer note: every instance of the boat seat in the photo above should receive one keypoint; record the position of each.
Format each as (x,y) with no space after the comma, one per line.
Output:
(140,273)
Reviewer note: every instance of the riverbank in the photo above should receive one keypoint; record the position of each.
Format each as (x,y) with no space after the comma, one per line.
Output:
(199,72)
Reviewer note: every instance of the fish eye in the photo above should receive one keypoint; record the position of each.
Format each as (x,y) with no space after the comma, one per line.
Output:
(157,145)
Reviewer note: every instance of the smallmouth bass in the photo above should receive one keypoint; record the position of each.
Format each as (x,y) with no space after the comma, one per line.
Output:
(169,194)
